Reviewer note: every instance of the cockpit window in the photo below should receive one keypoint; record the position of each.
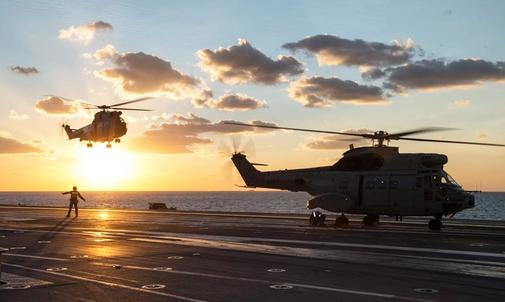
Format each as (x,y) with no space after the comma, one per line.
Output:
(439,180)
(449,180)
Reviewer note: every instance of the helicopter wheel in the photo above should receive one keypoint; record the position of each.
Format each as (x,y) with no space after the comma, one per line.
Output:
(435,224)
(89,145)
(370,220)
(317,218)
(117,140)
(342,221)
(108,146)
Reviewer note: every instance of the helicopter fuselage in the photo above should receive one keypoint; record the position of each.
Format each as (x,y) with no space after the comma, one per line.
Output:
(107,126)
(371,181)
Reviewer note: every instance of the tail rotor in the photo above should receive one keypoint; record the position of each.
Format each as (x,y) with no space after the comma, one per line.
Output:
(236,144)
(61,127)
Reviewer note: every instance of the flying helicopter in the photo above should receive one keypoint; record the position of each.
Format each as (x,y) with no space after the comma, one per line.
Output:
(107,125)
(374,180)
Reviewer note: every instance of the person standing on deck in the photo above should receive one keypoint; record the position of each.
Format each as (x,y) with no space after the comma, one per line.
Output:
(73,200)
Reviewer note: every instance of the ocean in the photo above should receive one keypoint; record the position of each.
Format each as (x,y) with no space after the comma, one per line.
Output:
(489,205)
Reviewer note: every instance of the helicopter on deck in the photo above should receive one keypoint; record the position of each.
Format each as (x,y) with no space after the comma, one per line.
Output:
(374,181)
(107,125)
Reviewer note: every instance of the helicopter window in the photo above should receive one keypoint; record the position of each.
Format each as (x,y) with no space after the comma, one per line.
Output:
(361,162)
(393,184)
(419,182)
(370,185)
(449,180)
(381,184)
(428,181)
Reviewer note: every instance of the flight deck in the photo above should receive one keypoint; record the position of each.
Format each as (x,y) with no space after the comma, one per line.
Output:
(128,255)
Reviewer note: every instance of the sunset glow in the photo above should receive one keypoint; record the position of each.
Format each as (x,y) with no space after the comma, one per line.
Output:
(277,66)
(103,168)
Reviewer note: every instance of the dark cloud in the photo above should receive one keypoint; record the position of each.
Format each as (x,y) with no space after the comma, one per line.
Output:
(10,145)
(438,74)
(83,33)
(141,73)
(228,102)
(333,50)
(243,63)
(338,142)
(321,92)
(180,134)
(24,70)
(373,74)
(55,106)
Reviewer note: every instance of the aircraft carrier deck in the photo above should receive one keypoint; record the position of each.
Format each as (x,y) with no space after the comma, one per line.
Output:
(121,255)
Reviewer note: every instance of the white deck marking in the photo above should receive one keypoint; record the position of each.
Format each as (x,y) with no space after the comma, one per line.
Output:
(300,285)
(382,247)
(35,257)
(110,284)
(175,237)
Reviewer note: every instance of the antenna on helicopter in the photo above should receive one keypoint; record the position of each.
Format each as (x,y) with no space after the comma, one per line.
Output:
(380,136)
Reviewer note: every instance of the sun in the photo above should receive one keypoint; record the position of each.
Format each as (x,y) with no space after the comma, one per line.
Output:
(102,168)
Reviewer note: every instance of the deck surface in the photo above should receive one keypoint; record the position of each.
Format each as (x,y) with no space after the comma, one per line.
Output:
(117,255)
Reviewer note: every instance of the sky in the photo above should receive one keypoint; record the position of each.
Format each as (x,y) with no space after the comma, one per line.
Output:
(330,65)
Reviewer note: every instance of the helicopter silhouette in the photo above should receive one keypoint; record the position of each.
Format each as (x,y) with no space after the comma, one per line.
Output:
(107,125)
(374,181)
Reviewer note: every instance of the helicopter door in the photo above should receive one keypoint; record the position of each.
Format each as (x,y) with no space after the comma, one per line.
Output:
(402,191)
(375,192)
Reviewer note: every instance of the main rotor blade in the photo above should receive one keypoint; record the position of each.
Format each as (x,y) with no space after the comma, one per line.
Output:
(418,131)
(450,142)
(131,109)
(129,102)
(299,129)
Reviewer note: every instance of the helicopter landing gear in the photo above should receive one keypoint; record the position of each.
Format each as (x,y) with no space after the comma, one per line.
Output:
(117,140)
(108,146)
(370,220)
(342,221)
(317,218)
(89,145)
(435,224)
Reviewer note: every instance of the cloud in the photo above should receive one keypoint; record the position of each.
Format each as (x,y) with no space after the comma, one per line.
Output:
(177,133)
(461,104)
(333,50)
(371,74)
(228,102)
(9,145)
(337,142)
(13,115)
(83,33)
(321,92)
(242,63)
(55,106)
(24,70)
(104,53)
(438,74)
(144,74)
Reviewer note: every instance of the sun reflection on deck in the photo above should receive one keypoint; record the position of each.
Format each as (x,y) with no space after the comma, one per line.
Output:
(103,215)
